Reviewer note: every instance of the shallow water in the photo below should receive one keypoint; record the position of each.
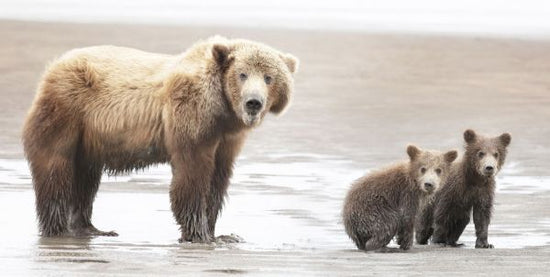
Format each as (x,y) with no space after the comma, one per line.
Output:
(272,205)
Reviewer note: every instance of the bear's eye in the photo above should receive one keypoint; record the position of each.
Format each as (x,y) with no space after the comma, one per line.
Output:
(422,170)
(242,76)
(438,171)
(480,154)
(267,79)
(496,155)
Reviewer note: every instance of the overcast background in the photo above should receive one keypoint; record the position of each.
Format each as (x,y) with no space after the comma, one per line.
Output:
(504,18)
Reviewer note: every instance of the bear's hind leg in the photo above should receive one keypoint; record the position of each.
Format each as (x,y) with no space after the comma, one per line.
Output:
(377,242)
(52,180)
(87,178)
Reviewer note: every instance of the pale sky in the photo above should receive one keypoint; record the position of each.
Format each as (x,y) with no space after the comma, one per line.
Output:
(468,16)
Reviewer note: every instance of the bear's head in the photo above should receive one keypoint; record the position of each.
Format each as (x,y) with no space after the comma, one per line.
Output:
(485,155)
(428,168)
(257,78)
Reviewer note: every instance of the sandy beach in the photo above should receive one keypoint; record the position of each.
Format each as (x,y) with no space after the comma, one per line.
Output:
(359,99)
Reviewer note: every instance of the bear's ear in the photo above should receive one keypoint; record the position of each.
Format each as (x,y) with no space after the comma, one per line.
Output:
(220,53)
(450,156)
(505,139)
(413,152)
(469,136)
(291,62)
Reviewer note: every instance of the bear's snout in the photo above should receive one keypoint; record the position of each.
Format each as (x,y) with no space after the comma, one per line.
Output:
(489,170)
(488,166)
(253,104)
(428,186)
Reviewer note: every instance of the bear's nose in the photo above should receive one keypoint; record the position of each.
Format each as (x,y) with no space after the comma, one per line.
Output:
(489,168)
(253,105)
(428,186)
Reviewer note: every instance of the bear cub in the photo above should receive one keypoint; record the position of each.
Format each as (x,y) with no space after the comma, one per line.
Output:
(384,203)
(469,190)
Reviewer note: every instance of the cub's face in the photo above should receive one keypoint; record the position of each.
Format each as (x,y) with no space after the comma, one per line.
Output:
(258,80)
(486,155)
(429,169)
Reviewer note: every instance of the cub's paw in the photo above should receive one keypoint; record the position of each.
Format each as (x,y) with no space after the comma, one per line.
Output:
(454,244)
(405,245)
(386,249)
(422,241)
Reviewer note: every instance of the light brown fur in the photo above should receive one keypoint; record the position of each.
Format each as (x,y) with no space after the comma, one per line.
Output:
(384,203)
(118,109)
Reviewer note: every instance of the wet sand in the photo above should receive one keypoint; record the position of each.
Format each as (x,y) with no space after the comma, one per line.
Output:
(359,99)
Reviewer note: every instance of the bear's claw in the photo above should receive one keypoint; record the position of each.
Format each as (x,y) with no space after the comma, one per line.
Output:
(233,238)
(92,231)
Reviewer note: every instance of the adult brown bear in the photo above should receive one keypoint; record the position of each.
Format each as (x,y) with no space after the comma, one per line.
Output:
(117,109)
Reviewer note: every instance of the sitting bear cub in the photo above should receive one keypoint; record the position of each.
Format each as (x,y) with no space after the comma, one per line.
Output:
(469,190)
(384,203)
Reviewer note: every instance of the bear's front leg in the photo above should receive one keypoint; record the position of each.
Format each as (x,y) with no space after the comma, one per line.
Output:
(405,233)
(482,218)
(424,224)
(226,153)
(192,174)
(443,218)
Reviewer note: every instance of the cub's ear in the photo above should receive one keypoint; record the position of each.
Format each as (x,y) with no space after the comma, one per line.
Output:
(450,156)
(413,152)
(469,136)
(220,53)
(505,139)
(291,62)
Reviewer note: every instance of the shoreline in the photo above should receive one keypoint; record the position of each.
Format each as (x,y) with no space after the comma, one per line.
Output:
(427,34)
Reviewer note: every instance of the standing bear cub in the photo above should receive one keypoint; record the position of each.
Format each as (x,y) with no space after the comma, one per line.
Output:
(118,109)
(470,189)
(384,203)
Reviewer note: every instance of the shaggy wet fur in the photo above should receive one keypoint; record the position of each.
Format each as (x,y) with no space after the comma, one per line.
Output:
(117,109)
(467,190)
(384,203)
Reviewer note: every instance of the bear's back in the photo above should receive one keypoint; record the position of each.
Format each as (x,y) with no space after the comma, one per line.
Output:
(380,187)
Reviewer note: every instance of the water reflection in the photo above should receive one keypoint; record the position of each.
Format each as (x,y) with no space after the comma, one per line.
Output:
(274,206)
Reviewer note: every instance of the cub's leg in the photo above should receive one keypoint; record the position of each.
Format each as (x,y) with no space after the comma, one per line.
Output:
(405,232)
(382,231)
(457,228)
(482,218)
(378,241)
(424,225)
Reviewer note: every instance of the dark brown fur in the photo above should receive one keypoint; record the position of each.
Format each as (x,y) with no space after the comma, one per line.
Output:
(466,191)
(384,203)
